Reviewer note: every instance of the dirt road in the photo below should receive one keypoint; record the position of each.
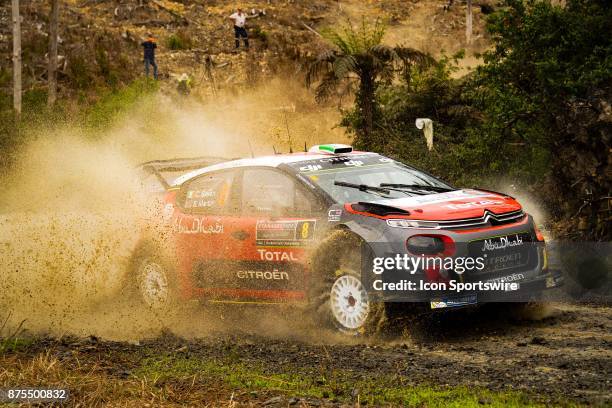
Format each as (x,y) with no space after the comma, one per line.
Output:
(470,358)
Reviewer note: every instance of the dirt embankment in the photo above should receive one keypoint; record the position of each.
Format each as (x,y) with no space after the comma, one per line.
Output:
(100,40)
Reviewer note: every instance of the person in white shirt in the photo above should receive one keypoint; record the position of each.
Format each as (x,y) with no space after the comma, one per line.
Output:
(239,18)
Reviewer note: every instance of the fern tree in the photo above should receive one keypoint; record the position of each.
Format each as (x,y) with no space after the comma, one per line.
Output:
(358,56)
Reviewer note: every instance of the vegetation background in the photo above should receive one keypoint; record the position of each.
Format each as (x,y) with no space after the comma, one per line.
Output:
(535,113)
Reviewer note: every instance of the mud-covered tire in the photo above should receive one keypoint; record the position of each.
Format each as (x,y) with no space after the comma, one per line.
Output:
(337,299)
(152,280)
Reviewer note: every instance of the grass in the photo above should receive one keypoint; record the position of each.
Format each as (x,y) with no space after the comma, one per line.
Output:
(115,103)
(151,376)
(338,386)
(181,40)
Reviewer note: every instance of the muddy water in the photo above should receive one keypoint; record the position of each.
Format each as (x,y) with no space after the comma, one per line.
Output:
(72,208)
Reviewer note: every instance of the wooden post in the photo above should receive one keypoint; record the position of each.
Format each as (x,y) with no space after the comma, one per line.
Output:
(52,71)
(16,59)
(468,22)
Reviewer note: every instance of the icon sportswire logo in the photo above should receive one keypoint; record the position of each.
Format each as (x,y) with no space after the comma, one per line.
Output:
(502,243)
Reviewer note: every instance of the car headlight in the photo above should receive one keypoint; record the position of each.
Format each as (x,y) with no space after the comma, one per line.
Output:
(403,223)
(425,245)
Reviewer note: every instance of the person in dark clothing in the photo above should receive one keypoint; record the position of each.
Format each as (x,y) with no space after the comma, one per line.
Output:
(149,47)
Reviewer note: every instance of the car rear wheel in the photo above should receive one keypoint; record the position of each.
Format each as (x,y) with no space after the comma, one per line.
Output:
(338,299)
(153,281)
(153,285)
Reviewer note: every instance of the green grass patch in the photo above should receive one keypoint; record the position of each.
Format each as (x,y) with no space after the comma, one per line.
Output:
(336,385)
(11,345)
(181,40)
(118,102)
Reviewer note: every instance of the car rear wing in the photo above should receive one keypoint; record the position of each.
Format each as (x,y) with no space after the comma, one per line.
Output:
(161,168)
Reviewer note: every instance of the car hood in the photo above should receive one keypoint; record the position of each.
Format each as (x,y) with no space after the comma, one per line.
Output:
(453,205)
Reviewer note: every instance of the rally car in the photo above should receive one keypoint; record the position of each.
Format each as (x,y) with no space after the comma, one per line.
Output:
(304,228)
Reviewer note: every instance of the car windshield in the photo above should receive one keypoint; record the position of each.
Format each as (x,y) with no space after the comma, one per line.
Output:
(403,179)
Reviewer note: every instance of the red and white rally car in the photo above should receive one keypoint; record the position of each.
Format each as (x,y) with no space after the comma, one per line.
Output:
(306,227)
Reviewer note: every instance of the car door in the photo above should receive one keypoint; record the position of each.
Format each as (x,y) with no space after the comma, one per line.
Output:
(208,232)
(279,219)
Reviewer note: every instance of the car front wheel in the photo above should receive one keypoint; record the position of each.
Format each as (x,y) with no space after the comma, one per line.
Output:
(338,300)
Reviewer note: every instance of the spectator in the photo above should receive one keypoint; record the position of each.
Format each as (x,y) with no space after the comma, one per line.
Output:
(149,47)
(239,18)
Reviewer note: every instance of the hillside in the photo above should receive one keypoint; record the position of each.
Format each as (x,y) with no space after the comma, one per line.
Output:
(99,39)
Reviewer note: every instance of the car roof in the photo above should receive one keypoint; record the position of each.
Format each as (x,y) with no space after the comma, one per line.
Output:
(264,161)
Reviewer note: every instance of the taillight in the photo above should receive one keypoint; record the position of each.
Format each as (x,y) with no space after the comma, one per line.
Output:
(430,245)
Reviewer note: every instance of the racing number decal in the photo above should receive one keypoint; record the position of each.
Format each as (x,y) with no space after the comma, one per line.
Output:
(305,230)
(285,233)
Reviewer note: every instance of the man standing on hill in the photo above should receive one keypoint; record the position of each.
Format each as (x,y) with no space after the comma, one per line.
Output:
(149,55)
(239,18)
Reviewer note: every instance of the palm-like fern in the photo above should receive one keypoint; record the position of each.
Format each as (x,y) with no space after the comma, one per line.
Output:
(359,54)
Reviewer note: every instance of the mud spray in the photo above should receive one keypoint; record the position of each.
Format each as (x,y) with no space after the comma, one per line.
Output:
(71,208)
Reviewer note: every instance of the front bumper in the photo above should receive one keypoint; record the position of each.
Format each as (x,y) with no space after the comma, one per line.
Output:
(527,291)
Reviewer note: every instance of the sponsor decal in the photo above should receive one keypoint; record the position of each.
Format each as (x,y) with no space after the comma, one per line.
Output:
(266,255)
(275,274)
(495,244)
(285,233)
(310,167)
(355,163)
(457,302)
(197,225)
(334,215)
(509,278)
(330,162)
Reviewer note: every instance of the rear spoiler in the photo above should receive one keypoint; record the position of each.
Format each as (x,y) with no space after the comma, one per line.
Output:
(157,167)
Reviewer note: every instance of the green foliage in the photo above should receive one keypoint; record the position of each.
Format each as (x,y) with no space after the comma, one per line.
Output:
(545,56)
(531,113)
(181,40)
(79,72)
(351,40)
(261,35)
(6,77)
(360,57)
(14,344)
(117,102)
(339,385)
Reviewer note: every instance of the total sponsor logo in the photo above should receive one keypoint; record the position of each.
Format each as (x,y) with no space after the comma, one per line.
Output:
(266,255)
(494,244)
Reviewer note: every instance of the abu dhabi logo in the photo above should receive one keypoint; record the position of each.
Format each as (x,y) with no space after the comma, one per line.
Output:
(502,243)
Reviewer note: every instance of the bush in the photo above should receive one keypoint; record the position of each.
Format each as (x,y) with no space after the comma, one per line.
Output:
(180,41)
(116,102)
(534,112)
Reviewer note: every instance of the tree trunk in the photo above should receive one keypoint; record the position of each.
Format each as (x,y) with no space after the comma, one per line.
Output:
(366,102)
(16,59)
(468,22)
(52,73)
